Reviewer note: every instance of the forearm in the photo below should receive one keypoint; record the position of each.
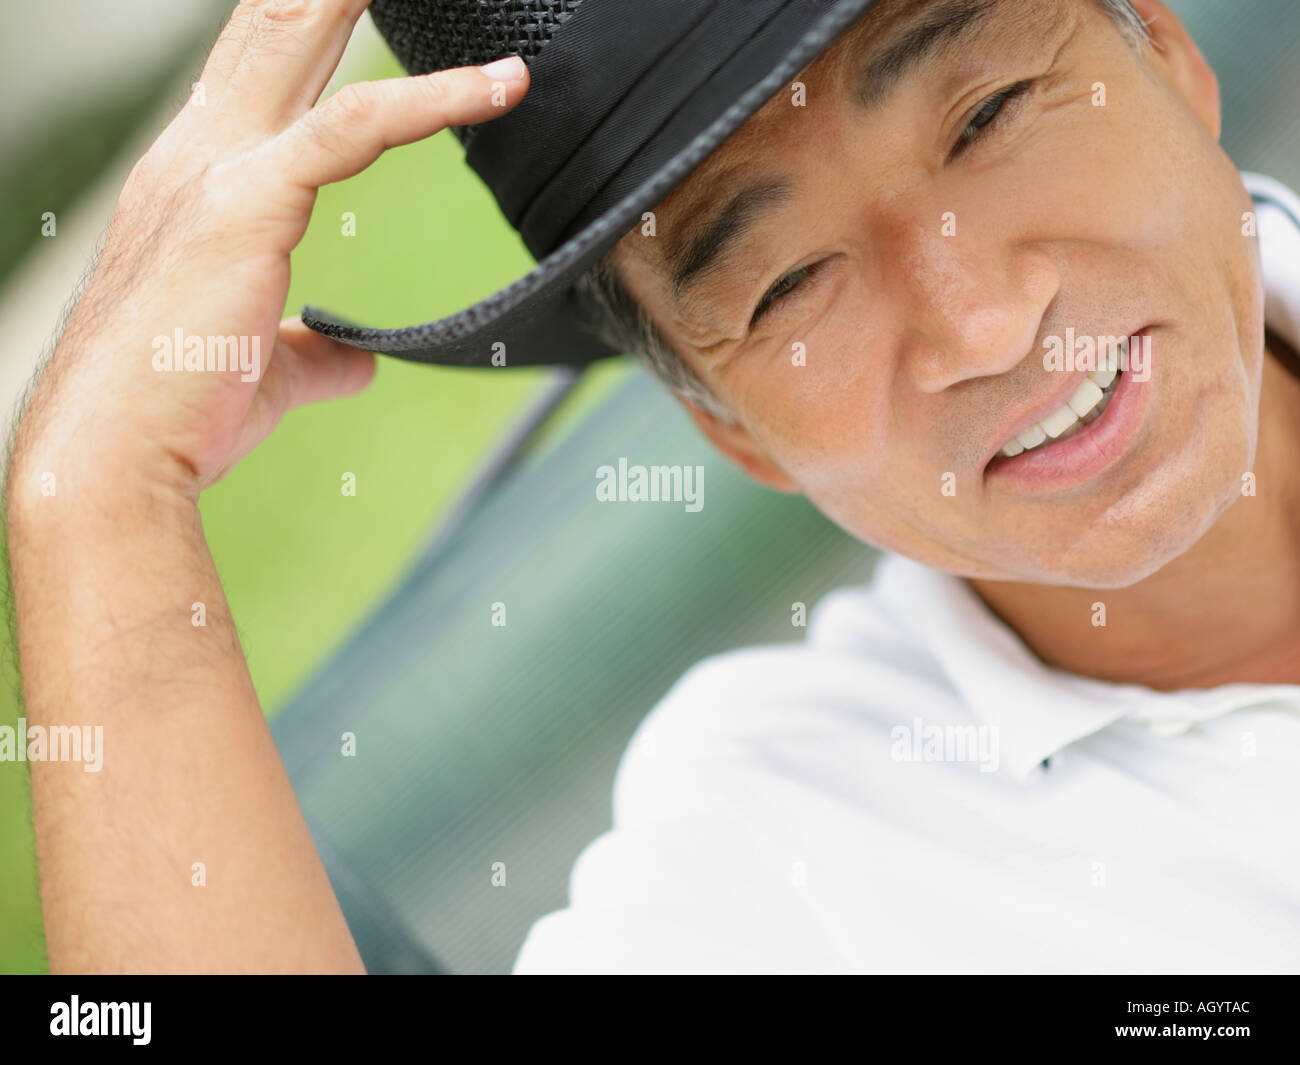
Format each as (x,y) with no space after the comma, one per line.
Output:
(186,850)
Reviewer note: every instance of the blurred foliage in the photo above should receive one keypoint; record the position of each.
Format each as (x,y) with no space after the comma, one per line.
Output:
(72,150)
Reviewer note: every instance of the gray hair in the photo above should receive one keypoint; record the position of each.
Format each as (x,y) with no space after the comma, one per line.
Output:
(626,326)
(1128,20)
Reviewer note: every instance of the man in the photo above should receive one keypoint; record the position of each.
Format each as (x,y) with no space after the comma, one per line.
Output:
(1061,730)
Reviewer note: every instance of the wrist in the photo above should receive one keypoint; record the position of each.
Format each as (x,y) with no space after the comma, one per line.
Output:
(77,481)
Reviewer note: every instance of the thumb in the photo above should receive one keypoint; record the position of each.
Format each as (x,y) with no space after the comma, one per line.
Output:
(317,367)
(305,367)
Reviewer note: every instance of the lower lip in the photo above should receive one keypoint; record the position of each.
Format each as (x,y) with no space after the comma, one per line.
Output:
(1065,464)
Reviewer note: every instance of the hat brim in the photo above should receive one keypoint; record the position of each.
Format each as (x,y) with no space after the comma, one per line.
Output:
(538,317)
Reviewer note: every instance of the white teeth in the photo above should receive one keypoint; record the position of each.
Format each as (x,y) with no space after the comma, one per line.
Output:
(1103,378)
(1085,406)
(1087,397)
(1032,437)
(1108,365)
(1058,421)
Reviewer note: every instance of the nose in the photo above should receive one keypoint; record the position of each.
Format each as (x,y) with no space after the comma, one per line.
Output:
(973,300)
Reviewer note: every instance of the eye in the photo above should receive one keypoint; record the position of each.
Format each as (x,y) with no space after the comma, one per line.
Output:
(987,114)
(779,292)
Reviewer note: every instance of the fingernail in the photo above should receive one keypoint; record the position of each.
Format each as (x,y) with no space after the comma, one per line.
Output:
(509,69)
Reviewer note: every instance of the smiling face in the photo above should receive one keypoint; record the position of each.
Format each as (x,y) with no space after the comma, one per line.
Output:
(965,182)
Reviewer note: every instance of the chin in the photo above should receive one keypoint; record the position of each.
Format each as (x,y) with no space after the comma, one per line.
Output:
(1135,542)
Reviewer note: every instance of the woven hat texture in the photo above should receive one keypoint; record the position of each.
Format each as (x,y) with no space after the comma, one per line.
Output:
(467,33)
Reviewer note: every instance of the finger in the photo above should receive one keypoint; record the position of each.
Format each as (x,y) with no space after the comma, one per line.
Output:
(305,367)
(274,58)
(319,367)
(346,133)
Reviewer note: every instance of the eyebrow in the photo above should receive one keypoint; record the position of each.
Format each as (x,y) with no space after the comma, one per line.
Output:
(718,237)
(937,29)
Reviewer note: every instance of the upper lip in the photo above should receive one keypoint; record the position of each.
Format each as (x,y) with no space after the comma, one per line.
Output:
(1021,418)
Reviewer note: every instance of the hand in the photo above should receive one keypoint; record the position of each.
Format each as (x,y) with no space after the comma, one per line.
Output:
(199,244)
(107,571)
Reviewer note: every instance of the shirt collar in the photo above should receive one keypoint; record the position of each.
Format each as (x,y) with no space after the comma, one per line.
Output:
(1277,210)
(1035,709)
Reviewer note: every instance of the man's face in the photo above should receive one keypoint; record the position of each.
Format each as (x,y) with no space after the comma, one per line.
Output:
(1027,172)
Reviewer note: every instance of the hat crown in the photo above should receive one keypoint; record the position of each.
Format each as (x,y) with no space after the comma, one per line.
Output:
(428,35)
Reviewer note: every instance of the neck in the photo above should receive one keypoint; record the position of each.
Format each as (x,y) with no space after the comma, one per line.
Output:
(1225,611)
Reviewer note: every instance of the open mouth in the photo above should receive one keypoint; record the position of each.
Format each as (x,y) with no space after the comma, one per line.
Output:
(1086,405)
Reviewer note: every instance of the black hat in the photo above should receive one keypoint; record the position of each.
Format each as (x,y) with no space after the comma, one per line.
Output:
(627,97)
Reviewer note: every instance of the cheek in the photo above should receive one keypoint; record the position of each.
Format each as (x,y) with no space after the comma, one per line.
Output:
(1120,162)
(833,427)
(820,406)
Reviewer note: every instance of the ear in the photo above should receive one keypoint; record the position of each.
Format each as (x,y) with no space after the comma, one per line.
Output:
(1183,65)
(736,442)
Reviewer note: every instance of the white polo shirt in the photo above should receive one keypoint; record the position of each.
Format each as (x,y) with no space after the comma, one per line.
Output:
(875,799)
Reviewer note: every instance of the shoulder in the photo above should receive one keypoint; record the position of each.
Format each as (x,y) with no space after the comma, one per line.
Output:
(859,643)
(710,793)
